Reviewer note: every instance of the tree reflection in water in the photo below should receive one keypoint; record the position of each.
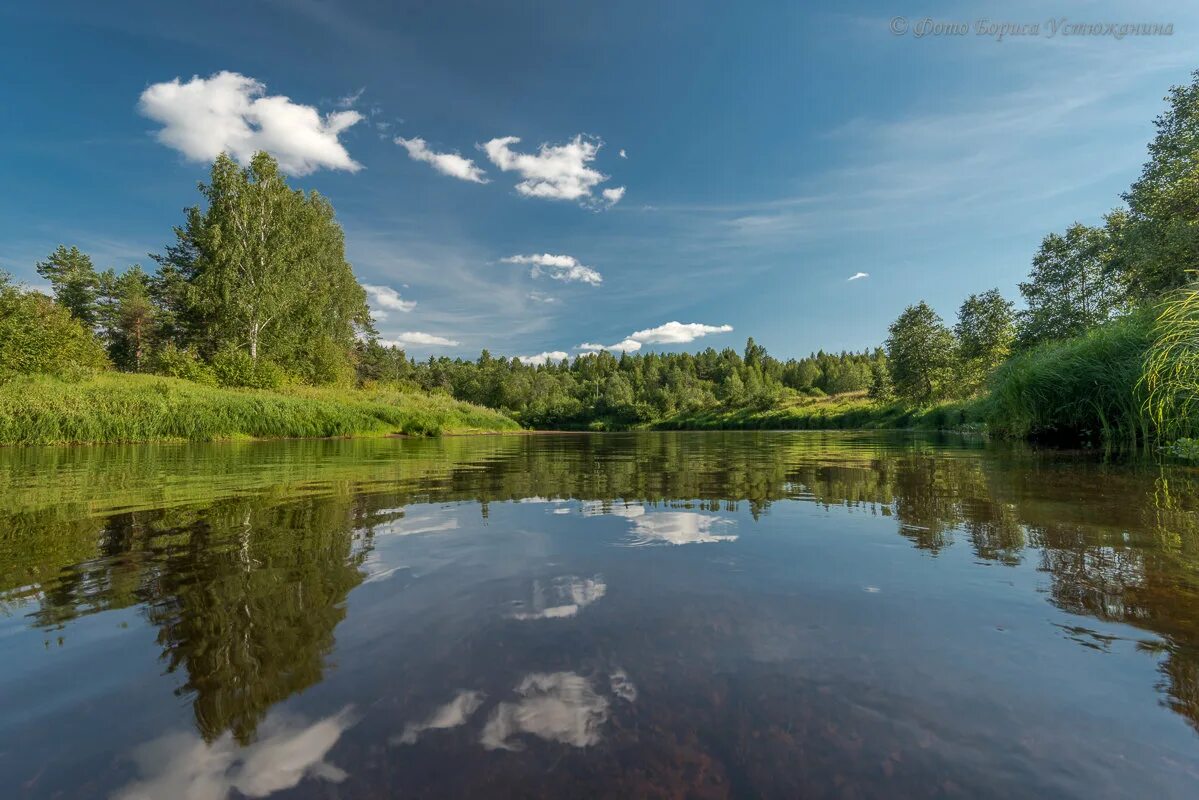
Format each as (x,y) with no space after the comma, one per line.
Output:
(247,579)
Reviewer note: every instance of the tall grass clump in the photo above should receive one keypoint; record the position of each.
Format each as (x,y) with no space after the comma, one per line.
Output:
(117,407)
(1085,390)
(1171,371)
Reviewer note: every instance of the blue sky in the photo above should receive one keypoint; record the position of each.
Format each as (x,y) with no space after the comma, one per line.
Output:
(772,152)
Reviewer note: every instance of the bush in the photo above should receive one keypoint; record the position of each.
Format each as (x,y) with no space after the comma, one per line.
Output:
(1084,390)
(182,363)
(37,336)
(235,368)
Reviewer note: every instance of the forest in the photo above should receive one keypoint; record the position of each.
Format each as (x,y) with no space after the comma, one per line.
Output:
(254,294)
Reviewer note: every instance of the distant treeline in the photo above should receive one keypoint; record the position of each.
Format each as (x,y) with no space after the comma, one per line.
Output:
(628,389)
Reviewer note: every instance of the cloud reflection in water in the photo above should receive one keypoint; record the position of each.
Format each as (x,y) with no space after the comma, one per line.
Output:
(451,715)
(564,597)
(558,707)
(182,766)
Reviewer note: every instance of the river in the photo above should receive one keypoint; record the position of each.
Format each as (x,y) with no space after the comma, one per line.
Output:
(627,615)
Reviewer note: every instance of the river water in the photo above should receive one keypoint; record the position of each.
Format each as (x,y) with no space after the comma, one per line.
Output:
(625,615)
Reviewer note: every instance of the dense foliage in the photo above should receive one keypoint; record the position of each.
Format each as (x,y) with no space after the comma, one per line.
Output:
(605,390)
(255,290)
(40,336)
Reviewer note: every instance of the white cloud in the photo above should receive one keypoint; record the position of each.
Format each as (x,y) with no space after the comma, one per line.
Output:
(858,276)
(624,346)
(541,297)
(451,164)
(230,112)
(559,267)
(543,358)
(418,339)
(451,715)
(351,99)
(613,195)
(558,707)
(670,333)
(623,154)
(678,332)
(287,751)
(385,298)
(555,172)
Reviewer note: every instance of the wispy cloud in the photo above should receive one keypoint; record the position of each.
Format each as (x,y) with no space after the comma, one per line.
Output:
(857,276)
(559,267)
(230,112)
(452,164)
(350,100)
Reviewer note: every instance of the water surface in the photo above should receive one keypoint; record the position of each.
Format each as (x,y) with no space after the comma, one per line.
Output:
(704,615)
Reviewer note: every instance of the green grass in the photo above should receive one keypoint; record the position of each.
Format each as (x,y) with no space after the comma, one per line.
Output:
(845,411)
(116,407)
(1086,390)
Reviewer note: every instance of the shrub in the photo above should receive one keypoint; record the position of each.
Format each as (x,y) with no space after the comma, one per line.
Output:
(235,368)
(175,362)
(37,336)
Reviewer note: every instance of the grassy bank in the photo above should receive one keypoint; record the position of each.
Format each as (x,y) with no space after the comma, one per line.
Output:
(852,410)
(1086,390)
(117,407)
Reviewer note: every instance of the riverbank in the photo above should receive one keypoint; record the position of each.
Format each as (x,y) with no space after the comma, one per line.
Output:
(841,412)
(118,407)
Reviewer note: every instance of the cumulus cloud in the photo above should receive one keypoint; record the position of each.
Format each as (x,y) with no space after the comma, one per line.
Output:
(613,195)
(558,707)
(543,358)
(451,164)
(559,267)
(451,715)
(859,275)
(419,339)
(232,113)
(554,172)
(678,332)
(385,298)
(623,154)
(670,333)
